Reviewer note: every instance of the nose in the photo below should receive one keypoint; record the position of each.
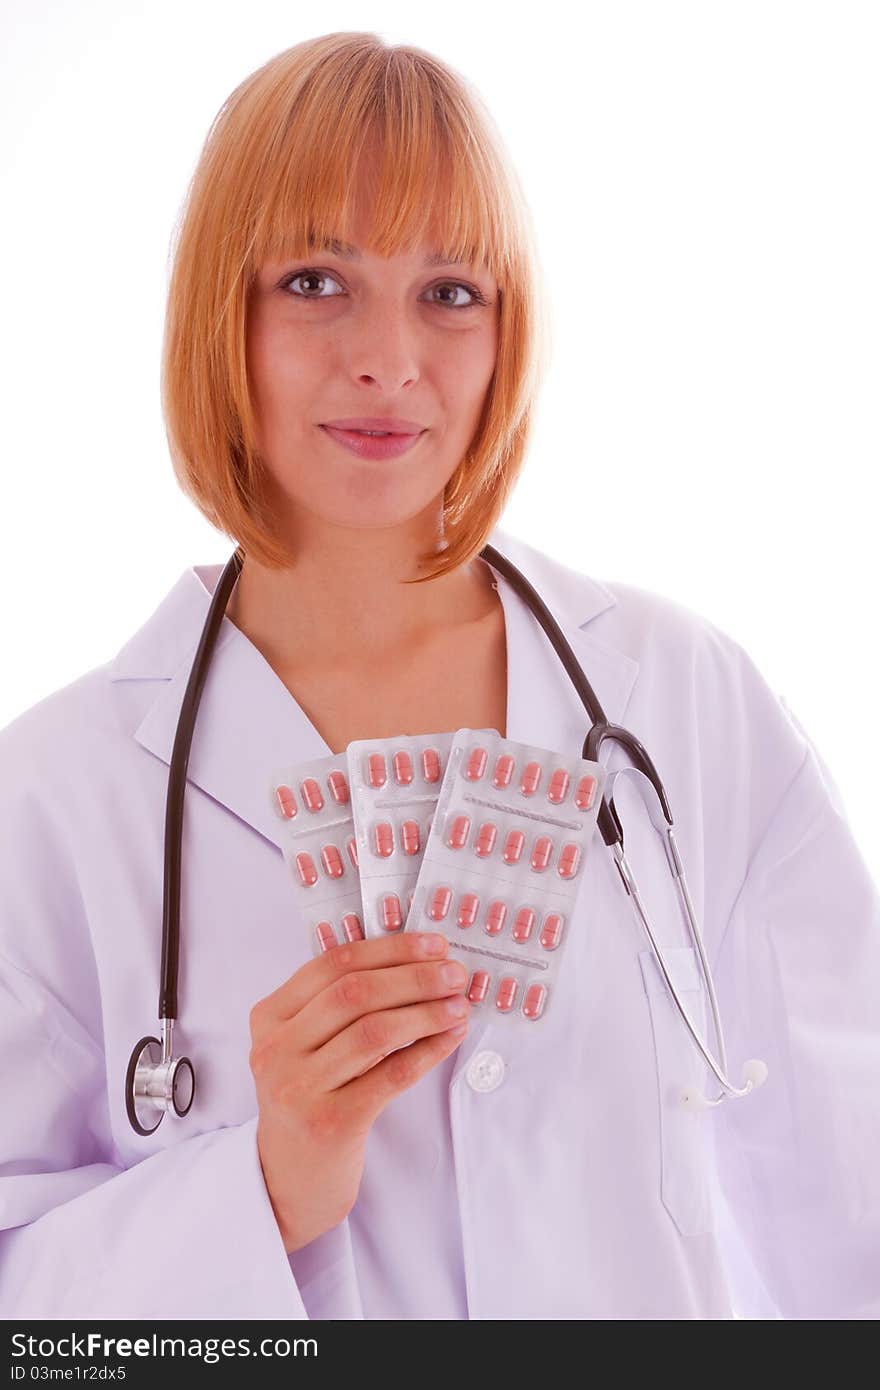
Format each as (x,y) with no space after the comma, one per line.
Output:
(385,349)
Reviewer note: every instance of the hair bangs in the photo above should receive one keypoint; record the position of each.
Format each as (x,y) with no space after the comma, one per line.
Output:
(420,177)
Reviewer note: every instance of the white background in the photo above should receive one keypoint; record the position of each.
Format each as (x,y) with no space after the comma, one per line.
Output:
(703,181)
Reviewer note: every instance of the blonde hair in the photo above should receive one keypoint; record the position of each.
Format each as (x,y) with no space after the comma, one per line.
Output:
(274,179)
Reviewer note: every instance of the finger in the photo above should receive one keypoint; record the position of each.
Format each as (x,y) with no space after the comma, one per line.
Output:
(369,1093)
(372,1037)
(370,954)
(360,992)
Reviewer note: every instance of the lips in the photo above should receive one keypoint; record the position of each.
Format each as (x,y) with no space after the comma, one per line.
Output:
(367,446)
(387,424)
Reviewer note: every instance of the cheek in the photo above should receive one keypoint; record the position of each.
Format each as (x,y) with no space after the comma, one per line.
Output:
(275,355)
(468,373)
(287,375)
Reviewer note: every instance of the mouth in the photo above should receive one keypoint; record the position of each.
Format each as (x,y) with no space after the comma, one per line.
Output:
(371,444)
(375,425)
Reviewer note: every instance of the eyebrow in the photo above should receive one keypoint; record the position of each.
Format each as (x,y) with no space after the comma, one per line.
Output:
(343,248)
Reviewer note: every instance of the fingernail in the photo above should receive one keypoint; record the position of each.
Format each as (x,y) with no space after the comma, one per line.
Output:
(433,944)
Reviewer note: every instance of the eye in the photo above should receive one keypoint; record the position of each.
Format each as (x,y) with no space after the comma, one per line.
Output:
(307,275)
(286,284)
(476,297)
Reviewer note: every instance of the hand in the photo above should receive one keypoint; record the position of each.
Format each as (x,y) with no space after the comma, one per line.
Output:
(350,1030)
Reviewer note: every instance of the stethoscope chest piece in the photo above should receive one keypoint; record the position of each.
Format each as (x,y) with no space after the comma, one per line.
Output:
(154,1084)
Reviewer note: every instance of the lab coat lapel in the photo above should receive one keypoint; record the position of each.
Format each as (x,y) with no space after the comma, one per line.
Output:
(248,725)
(544,709)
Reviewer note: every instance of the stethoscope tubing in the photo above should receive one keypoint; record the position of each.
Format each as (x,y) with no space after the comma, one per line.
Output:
(154,1080)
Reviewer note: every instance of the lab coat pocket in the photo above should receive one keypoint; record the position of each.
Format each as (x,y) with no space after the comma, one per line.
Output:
(684,1141)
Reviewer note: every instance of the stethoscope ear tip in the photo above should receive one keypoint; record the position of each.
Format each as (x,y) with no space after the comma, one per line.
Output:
(694,1099)
(756,1072)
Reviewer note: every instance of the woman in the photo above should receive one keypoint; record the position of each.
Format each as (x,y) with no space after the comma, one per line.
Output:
(355,246)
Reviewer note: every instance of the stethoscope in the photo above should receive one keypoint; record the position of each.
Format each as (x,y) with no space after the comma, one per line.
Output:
(156,1081)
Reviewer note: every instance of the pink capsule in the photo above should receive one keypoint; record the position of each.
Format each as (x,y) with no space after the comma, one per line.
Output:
(513,846)
(485,842)
(504,999)
(459,832)
(352,850)
(392,917)
(383,839)
(326,936)
(376,770)
(522,927)
(431,765)
(305,868)
(533,1004)
(403,768)
(495,918)
(352,927)
(332,861)
(311,794)
(286,802)
(530,779)
(476,764)
(467,909)
(478,987)
(541,851)
(551,932)
(409,837)
(439,905)
(558,786)
(583,797)
(503,770)
(338,784)
(569,859)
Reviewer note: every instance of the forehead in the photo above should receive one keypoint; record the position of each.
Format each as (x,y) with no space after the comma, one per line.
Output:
(434,230)
(352,239)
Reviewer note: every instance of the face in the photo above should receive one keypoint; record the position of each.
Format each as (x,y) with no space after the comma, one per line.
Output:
(334,337)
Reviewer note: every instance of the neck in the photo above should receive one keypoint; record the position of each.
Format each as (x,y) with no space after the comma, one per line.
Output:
(344,601)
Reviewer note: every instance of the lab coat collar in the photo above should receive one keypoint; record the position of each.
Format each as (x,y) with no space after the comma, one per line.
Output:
(249,726)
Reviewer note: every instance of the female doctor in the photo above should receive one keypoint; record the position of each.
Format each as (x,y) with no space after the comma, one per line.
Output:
(363,1142)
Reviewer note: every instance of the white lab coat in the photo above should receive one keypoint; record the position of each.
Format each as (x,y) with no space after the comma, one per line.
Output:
(548,1176)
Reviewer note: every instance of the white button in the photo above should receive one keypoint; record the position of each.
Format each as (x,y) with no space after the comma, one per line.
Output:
(485,1071)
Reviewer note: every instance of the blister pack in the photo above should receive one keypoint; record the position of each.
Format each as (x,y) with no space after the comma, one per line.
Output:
(314,802)
(395,783)
(504,864)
